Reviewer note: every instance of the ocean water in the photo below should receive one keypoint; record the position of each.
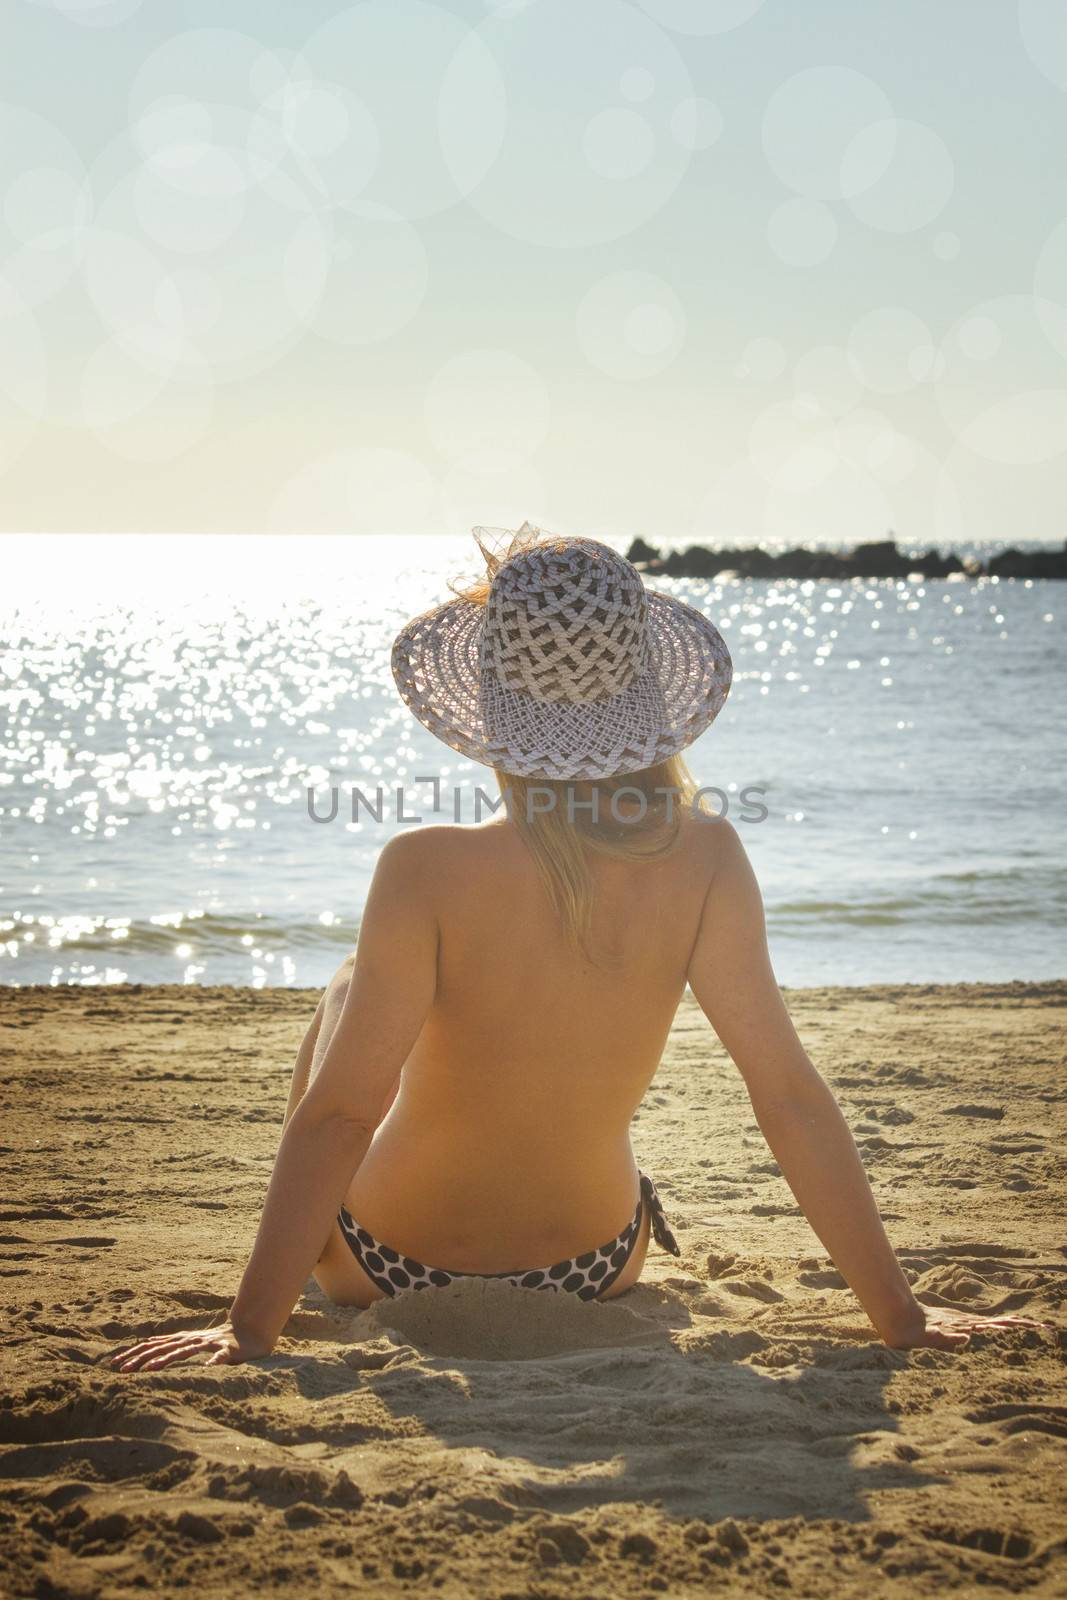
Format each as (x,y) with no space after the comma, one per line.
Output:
(168,704)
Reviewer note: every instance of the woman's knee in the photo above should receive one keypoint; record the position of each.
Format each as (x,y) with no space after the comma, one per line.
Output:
(341,1278)
(331,1004)
(343,976)
(337,988)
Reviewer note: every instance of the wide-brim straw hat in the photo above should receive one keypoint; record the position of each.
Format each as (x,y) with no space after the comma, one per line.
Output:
(572,668)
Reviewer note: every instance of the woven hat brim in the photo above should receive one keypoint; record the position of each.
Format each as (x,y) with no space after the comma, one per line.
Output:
(436,666)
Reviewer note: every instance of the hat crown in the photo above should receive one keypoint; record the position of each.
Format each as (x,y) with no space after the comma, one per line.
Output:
(566,667)
(566,621)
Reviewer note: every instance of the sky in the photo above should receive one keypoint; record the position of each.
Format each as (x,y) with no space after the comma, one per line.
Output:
(732,270)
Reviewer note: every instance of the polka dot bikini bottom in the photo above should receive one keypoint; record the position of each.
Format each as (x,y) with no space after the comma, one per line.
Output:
(586,1275)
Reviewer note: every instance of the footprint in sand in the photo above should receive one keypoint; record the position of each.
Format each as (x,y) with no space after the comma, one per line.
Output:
(201,1300)
(1017,1144)
(822,1278)
(1003,1542)
(1027,1418)
(718,1266)
(89,1241)
(966,1252)
(991,1113)
(751,1289)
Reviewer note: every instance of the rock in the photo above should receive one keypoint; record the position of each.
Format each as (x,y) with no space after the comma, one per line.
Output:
(701,563)
(880,558)
(933,565)
(730,1537)
(111,1528)
(202,1529)
(562,1542)
(758,563)
(1029,564)
(795,564)
(680,564)
(303,1515)
(640,552)
(1009,563)
(639,1545)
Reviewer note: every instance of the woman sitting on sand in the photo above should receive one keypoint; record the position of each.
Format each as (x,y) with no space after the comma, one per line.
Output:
(461,1104)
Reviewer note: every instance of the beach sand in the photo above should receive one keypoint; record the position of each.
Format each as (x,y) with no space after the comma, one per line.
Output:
(730,1425)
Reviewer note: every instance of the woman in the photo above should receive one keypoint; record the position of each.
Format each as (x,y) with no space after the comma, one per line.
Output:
(461,1103)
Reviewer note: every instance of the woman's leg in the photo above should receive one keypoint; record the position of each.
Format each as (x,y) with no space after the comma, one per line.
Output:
(304,1056)
(633,1268)
(337,1271)
(313,1046)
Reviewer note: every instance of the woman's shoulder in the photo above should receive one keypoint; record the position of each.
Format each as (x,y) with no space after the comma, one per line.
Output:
(450,866)
(441,850)
(711,839)
(437,845)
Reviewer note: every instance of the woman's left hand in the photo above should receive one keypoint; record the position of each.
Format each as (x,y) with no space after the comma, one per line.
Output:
(943,1328)
(223,1346)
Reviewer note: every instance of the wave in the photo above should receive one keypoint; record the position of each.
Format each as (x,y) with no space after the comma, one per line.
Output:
(952,898)
(206,934)
(965,898)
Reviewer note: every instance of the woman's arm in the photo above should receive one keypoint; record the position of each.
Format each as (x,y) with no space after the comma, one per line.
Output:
(326,1135)
(731,976)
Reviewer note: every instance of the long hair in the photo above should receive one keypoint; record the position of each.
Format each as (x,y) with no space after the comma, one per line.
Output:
(635,816)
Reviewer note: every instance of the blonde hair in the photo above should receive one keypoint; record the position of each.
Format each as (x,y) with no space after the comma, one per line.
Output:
(563,820)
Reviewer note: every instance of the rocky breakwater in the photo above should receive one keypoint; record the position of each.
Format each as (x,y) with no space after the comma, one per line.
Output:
(882,559)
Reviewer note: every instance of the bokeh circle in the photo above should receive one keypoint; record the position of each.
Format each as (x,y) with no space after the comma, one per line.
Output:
(811,120)
(891,350)
(431,90)
(701,16)
(1043,25)
(355,279)
(631,325)
(897,175)
(1003,390)
(1050,286)
(556,180)
(44,203)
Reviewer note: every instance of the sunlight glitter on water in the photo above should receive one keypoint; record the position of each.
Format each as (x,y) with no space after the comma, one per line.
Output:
(167,711)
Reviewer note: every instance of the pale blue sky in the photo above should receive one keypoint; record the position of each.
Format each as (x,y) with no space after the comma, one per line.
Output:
(568,262)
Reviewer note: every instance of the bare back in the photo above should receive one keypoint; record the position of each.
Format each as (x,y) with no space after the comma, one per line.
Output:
(517,1098)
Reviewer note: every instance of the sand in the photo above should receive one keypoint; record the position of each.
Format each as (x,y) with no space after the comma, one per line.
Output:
(731,1425)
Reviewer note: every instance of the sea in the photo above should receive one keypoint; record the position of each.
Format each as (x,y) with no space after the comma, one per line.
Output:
(203,752)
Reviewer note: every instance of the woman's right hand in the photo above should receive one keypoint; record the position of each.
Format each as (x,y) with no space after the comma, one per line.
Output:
(939,1328)
(222,1345)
